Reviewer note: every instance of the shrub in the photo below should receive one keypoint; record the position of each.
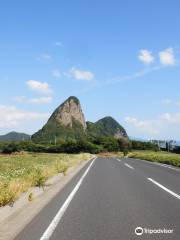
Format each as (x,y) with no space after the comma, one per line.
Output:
(10,148)
(62,167)
(125,152)
(32,147)
(88,147)
(123,144)
(139,145)
(30,197)
(39,178)
(107,144)
(8,194)
(55,149)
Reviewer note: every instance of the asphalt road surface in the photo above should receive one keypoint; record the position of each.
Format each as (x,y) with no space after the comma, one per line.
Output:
(108,199)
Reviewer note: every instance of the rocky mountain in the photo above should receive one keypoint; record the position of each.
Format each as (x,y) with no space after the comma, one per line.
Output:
(68,112)
(68,122)
(106,127)
(14,136)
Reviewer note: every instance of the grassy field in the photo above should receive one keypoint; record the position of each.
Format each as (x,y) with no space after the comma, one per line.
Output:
(110,154)
(160,156)
(19,172)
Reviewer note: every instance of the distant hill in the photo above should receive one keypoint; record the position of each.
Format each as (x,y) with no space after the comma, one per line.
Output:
(14,136)
(105,127)
(68,122)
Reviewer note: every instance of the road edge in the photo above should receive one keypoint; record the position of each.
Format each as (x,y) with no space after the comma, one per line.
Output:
(13,224)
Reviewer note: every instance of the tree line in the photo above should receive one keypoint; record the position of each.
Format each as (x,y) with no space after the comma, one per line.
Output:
(103,144)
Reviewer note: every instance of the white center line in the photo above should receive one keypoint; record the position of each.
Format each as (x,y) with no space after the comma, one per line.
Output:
(49,231)
(165,189)
(129,166)
(118,159)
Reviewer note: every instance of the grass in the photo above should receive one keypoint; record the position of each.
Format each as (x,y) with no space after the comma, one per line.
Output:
(110,154)
(20,171)
(160,156)
(149,155)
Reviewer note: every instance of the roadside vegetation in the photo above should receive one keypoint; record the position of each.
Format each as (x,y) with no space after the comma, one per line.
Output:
(157,156)
(110,155)
(90,145)
(103,144)
(20,171)
(27,164)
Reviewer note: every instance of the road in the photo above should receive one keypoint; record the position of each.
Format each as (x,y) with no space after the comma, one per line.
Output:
(108,199)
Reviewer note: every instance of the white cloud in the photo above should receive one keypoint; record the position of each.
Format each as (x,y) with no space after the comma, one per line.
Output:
(20,99)
(145,56)
(44,57)
(165,125)
(178,103)
(56,73)
(146,126)
(67,74)
(12,117)
(167,101)
(167,57)
(171,118)
(81,74)
(132,76)
(40,100)
(41,87)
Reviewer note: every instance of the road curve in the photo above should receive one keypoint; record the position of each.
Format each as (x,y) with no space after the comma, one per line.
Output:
(114,196)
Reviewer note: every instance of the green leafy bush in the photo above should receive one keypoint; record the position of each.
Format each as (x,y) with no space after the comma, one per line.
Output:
(139,145)
(10,148)
(39,178)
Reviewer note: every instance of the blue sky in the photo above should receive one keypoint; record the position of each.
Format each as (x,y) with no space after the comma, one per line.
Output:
(120,58)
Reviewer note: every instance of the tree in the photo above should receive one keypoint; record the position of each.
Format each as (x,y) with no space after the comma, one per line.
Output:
(10,148)
(124,145)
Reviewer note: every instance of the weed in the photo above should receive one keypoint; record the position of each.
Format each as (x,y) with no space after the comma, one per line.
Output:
(20,171)
(30,197)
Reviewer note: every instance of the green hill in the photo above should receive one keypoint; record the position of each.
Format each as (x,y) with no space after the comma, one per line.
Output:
(106,127)
(14,136)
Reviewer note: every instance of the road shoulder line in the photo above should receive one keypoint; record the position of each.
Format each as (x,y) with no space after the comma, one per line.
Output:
(164,188)
(157,163)
(49,231)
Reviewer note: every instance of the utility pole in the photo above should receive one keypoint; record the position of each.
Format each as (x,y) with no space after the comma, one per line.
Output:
(55,140)
(159,146)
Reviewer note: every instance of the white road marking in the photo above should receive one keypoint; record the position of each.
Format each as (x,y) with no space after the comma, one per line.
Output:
(118,159)
(164,188)
(49,231)
(167,166)
(129,166)
(156,163)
